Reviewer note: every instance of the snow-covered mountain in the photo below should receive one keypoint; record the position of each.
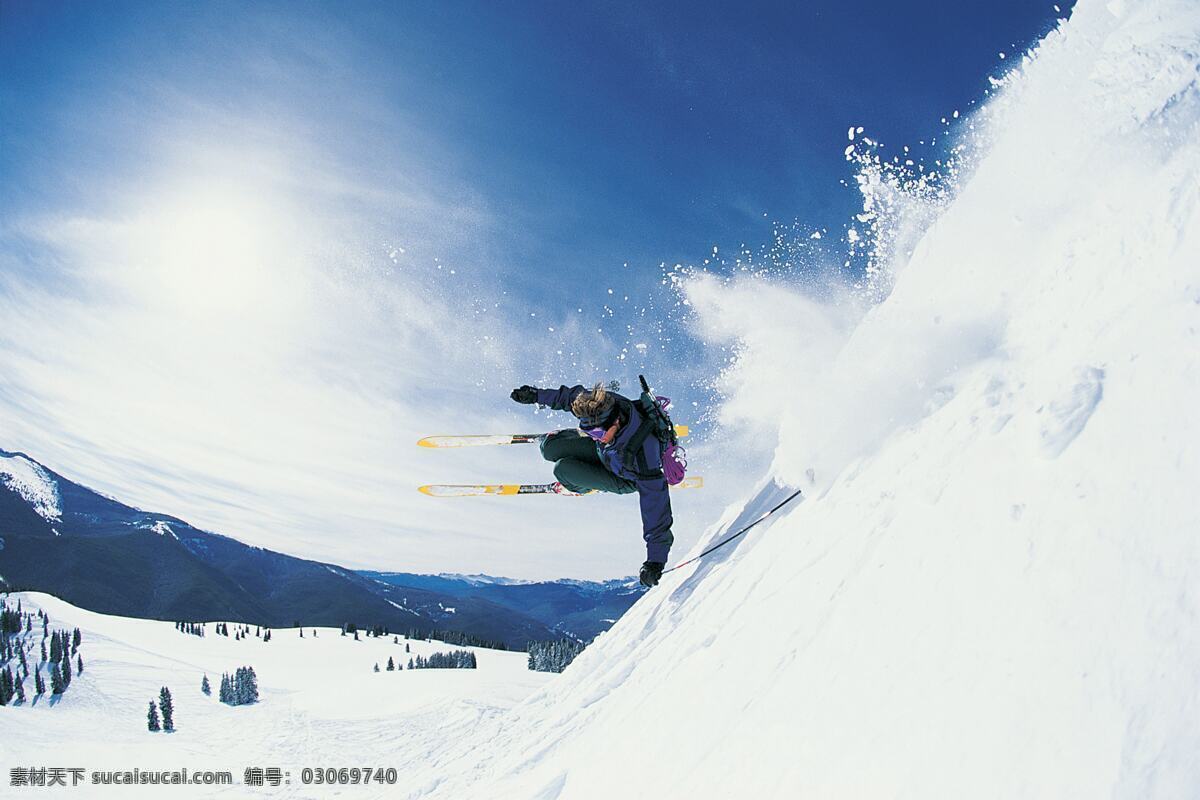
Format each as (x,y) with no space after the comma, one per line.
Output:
(991,588)
(63,538)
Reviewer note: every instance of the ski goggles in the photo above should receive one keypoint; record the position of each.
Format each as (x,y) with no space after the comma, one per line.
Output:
(601,421)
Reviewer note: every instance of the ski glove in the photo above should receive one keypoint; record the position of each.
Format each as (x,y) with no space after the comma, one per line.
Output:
(526,395)
(651,572)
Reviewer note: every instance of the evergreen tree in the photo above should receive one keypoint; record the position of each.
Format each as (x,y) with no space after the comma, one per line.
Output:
(66,672)
(6,686)
(204,687)
(410,663)
(553,656)
(407,647)
(376,669)
(55,648)
(391,667)
(75,640)
(20,691)
(79,664)
(152,718)
(244,687)
(39,686)
(168,709)
(56,683)
(43,649)
(226,693)
(457,659)
(251,685)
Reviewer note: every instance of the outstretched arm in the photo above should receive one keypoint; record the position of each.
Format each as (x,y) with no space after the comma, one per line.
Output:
(559,399)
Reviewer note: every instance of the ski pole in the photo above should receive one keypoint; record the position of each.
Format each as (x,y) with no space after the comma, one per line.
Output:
(724,542)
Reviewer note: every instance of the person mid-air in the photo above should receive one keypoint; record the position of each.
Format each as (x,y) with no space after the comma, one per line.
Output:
(615,449)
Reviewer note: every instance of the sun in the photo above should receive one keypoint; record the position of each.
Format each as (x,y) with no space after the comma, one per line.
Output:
(213,248)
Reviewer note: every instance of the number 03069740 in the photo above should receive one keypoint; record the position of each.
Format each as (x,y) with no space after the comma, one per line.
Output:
(347,775)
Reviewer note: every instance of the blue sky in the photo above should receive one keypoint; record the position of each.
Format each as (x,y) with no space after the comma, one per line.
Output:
(250,252)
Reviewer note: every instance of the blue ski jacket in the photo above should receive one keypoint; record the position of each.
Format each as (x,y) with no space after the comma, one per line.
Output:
(653,495)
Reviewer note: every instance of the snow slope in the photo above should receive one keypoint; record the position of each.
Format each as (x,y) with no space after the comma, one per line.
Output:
(321,705)
(991,587)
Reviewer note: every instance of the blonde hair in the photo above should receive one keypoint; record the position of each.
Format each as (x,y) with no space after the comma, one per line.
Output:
(590,403)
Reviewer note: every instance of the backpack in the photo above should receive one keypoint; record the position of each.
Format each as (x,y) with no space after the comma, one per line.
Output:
(656,422)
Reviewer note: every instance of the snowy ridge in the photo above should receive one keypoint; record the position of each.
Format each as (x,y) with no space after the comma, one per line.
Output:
(29,480)
(990,588)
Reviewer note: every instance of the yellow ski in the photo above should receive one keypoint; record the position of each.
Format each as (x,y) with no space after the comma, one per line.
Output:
(480,490)
(481,440)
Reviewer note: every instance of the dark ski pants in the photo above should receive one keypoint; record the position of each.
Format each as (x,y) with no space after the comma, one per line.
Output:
(577,465)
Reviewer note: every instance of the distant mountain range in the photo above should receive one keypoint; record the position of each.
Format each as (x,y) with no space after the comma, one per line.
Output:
(59,537)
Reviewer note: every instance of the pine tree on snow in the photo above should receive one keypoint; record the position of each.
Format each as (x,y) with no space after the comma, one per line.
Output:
(251,685)
(152,718)
(377,666)
(66,673)
(79,664)
(168,709)
(56,684)
(20,691)
(39,686)
(204,687)
(391,667)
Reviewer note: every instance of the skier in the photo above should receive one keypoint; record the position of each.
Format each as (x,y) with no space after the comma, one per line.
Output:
(612,450)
